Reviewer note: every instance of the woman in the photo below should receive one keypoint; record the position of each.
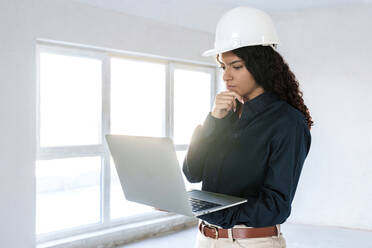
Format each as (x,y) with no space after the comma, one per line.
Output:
(254,142)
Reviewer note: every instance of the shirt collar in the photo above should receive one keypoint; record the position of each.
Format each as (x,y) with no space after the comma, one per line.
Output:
(258,104)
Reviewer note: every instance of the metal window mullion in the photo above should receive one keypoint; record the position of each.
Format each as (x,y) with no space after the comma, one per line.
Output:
(69,51)
(170,101)
(69,152)
(106,175)
(116,52)
(37,101)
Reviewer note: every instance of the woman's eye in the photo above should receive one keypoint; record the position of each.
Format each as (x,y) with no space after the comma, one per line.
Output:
(235,67)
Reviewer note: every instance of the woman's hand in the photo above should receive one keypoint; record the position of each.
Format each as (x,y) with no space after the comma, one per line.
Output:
(224,102)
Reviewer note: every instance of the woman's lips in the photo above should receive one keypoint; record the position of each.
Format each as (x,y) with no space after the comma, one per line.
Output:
(229,87)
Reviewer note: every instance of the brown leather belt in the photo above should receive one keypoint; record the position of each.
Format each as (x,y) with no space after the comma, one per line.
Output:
(237,233)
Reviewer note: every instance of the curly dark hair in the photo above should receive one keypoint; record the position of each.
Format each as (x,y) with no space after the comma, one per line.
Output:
(270,71)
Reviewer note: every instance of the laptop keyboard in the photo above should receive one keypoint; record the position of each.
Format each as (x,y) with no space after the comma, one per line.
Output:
(199,205)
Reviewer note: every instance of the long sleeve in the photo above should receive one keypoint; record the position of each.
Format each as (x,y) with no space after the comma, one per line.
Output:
(202,138)
(272,204)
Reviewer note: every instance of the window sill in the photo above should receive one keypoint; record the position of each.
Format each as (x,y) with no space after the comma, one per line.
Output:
(123,234)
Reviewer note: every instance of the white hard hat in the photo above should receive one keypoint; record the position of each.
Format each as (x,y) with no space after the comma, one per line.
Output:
(243,26)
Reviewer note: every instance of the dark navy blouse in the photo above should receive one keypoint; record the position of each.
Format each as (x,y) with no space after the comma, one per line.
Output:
(258,157)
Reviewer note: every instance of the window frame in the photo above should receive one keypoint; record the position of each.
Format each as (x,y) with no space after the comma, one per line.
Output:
(101,150)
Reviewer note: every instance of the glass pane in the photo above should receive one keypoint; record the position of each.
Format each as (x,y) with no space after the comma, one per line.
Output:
(70,100)
(137,98)
(181,157)
(192,100)
(68,193)
(120,207)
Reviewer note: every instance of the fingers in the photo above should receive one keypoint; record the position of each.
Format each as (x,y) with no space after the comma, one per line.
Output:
(230,95)
(227,97)
(224,102)
(233,93)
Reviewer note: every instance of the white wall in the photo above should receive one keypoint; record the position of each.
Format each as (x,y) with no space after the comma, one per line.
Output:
(330,52)
(17,125)
(21,22)
(80,23)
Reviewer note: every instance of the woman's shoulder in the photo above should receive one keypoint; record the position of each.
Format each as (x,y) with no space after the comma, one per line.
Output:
(288,116)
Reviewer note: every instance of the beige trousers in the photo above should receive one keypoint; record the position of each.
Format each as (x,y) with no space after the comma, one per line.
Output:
(267,242)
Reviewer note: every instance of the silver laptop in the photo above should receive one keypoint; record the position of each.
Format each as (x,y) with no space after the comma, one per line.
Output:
(149,174)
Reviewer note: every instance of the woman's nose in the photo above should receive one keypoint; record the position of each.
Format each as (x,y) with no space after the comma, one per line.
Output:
(226,76)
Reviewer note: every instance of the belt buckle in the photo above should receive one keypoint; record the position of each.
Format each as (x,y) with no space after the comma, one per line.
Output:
(215,228)
(212,227)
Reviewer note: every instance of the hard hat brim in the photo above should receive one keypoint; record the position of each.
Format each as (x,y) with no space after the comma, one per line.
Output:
(211,52)
(215,51)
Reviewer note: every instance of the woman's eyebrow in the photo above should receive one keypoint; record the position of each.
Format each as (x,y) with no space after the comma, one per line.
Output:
(235,61)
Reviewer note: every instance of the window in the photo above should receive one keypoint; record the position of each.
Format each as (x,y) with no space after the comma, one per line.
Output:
(137,97)
(192,102)
(137,108)
(68,193)
(70,100)
(83,95)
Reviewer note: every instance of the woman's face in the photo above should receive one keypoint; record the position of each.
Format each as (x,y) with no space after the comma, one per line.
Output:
(237,77)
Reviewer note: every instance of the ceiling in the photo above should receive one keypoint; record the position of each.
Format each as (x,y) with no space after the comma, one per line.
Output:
(203,14)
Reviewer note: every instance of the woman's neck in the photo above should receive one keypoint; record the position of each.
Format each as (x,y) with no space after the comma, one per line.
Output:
(258,91)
